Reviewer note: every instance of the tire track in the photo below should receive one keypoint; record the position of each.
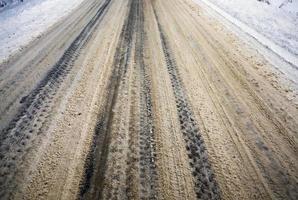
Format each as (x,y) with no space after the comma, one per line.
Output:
(205,183)
(96,163)
(14,82)
(148,175)
(28,124)
(141,149)
(132,170)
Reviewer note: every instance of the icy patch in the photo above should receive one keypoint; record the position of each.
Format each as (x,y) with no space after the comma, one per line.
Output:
(25,22)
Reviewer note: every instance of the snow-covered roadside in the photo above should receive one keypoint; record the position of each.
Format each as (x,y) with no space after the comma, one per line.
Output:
(260,34)
(275,19)
(25,22)
(263,44)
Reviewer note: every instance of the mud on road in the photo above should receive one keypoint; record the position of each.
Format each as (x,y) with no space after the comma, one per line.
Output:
(137,99)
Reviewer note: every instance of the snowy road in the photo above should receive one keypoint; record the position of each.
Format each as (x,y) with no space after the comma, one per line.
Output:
(146,99)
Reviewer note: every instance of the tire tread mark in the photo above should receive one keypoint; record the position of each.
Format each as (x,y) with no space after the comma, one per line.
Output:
(148,174)
(16,138)
(92,183)
(205,184)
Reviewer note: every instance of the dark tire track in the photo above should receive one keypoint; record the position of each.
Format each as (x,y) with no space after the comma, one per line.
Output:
(27,125)
(205,183)
(96,163)
(93,183)
(15,85)
(148,174)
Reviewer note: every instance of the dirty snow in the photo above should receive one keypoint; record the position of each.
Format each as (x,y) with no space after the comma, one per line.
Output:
(23,23)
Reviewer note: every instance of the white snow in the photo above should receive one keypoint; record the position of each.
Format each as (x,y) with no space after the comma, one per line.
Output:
(4,4)
(25,22)
(274,27)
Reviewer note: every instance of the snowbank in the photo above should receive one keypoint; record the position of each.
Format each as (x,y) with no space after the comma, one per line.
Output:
(23,23)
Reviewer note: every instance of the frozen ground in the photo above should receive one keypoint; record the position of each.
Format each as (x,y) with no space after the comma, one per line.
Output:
(273,22)
(24,22)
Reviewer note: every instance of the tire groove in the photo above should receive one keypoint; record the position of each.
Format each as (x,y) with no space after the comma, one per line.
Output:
(27,124)
(148,174)
(92,184)
(205,183)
